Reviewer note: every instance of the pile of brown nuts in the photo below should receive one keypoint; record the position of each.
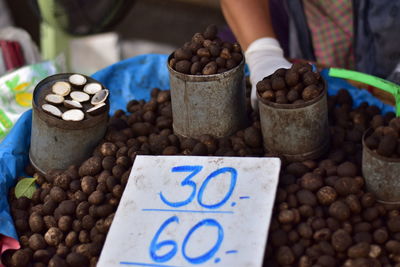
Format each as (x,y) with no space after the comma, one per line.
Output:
(291,86)
(69,100)
(322,214)
(206,54)
(384,140)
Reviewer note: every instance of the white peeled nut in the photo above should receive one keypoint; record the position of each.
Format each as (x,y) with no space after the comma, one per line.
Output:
(77,79)
(73,115)
(99,97)
(92,88)
(53,110)
(97,109)
(72,104)
(61,88)
(54,99)
(79,96)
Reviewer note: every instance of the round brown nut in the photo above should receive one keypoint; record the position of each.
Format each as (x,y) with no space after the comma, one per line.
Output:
(96,198)
(210,68)
(91,166)
(291,77)
(306,197)
(348,169)
(311,181)
(285,256)
(53,236)
(88,184)
(62,180)
(41,255)
(387,146)
(196,68)
(293,95)
(76,259)
(182,54)
(20,258)
(58,194)
(198,38)
(278,83)
(341,240)
(225,53)
(36,223)
(268,95)
(65,223)
(310,92)
(71,239)
(183,66)
(309,78)
(346,185)
(339,210)
(36,242)
(57,261)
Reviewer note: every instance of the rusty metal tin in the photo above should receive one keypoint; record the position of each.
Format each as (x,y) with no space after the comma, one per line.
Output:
(57,144)
(208,104)
(381,174)
(296,131)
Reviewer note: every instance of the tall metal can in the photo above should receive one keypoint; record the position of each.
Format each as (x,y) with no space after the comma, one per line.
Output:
(296,131)
(381,174)
(208,104)
(57,144)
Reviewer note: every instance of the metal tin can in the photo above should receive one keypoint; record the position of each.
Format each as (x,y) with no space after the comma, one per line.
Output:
(295,131)
(208,104)
(57,144)
(381,174)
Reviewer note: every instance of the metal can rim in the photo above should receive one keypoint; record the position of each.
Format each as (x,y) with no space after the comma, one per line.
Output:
(367,133)
(56,122)
(294,106)
(203,78)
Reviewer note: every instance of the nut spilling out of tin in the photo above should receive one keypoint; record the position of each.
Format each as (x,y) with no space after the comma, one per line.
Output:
(73,115)
(72,104)
(52,110)
(79,96)
(77,80)
(54,99)
(99,97)
(97,109)
(92,88)
(61,88)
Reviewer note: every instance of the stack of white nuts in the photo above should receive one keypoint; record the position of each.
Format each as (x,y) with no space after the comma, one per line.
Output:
(72,94)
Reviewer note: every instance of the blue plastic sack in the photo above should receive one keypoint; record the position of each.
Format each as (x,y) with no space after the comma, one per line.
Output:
(129,79)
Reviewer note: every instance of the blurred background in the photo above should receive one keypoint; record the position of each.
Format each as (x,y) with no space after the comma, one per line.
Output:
(149,26)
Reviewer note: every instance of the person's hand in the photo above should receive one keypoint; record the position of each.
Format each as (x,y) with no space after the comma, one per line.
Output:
(263,56)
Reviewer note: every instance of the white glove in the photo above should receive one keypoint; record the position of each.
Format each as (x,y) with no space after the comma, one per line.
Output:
(263,56)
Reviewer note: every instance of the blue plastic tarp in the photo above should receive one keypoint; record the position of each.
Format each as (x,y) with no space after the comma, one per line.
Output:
(129,79)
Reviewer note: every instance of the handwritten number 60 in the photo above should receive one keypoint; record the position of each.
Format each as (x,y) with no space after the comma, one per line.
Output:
(155,246)
(188,182)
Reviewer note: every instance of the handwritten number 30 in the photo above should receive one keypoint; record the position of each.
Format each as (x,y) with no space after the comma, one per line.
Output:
(194,170)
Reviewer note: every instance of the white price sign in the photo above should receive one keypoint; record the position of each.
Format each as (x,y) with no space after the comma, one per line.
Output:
(186,211)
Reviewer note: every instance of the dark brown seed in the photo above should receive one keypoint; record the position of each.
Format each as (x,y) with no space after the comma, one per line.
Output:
(215,50)
(210,68)
(310,92)
(203,52)
(341,240)
(278,83)
(183,66)
(291,78)
(309,78)
(195,68)
(183,54)
(339,210)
